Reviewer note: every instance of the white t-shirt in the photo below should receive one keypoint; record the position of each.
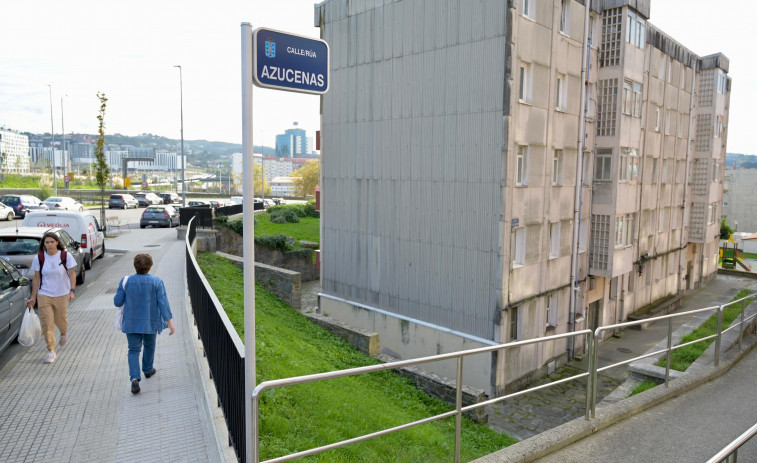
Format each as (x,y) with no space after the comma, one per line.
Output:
(55,281)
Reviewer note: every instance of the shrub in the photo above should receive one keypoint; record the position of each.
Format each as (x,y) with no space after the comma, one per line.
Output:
(288,215)
(297,209)
(310,210)
(278,241)
(278,219)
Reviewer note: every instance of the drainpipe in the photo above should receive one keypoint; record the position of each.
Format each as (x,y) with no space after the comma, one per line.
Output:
(579,184)
(684,223)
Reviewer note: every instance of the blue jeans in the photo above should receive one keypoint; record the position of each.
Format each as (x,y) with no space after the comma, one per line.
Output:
(136,340)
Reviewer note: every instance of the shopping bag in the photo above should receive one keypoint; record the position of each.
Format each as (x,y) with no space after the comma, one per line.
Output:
(118,322)
(31,329)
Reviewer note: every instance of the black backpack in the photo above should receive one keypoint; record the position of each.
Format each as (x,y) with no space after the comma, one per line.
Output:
(41,257)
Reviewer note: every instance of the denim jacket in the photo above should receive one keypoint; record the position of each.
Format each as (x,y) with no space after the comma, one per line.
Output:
(146,308)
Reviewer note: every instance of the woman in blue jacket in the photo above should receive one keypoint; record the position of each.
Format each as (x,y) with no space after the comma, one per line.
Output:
(146,314)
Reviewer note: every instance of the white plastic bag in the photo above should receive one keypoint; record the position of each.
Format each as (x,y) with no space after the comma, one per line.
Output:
(31,329)
(118,322)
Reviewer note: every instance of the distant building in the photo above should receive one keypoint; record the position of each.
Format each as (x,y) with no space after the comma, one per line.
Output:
(740,199)
(293,142)
(82,153)
(14,148)
(282,186)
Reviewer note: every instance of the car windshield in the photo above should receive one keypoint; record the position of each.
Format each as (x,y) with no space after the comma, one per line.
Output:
(154,210)
(9,200)
(53,200)
(15,245)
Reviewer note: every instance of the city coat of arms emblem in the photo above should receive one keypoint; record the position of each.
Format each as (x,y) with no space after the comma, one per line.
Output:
(270,48)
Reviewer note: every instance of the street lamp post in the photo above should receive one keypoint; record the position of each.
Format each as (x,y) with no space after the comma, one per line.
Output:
(52,141)
(183,161)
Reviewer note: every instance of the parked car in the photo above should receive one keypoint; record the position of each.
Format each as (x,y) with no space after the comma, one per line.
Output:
(198,203)
(15,289)
(148,199)
(216,204)
(80,225)
(170,198)
(122,201)
(268,203)
(7,212)
(159,216)
(20,246)
(22,204)
(64,203)
(237,199)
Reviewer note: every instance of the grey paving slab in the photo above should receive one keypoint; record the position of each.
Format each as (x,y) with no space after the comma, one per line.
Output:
(80,408)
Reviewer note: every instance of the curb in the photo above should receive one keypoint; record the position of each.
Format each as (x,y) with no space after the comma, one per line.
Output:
(569,433)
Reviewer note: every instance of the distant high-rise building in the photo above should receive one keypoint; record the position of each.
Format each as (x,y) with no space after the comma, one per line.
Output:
(14,148)
(293,142)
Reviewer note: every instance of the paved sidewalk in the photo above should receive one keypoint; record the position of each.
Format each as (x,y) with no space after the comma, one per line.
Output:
(80,408)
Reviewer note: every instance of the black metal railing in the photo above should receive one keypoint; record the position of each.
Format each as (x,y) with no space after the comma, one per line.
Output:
(204,216)
(229,210)
(224,349)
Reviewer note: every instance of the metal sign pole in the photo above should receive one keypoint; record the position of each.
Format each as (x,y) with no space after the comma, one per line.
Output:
(248,245)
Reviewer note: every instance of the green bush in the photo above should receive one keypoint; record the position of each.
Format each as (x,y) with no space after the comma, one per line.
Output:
(289,215)
(310,211)
(278,241)
(278,219)
(298,209)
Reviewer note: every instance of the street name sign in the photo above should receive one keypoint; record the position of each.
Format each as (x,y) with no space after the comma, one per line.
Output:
(290,62)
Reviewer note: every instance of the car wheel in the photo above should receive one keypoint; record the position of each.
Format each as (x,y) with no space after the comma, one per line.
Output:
(11,216)
(142,226)
(81,208)
(88,260)
(82,276)
(102,253)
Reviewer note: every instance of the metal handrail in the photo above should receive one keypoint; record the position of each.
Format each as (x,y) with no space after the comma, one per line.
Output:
(459,409)
(732,449)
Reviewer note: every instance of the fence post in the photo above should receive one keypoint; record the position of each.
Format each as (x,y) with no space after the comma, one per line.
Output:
(668,353)
(594,366)
(459,407)
(741,326)
(717,340)
(590,353)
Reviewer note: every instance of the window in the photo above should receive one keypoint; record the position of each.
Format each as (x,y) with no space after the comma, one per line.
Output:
(554,240)
(624,230)
(607,107)
(528,8)
(519,247)
(722,82)
(632,98)
(657,120)
(525,73)
(654,170)
(602,165)
(614,288)
(565,17)
(557,168)
(631,277)
(609,54)
(719,126)
(515,328)
(668,121)
(561,100)
(635,30)
(521,168)
(552,309)
(716,172)
(629,165)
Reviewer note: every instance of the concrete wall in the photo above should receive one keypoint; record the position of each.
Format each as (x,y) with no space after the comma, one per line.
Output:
(404,339)
(284,283)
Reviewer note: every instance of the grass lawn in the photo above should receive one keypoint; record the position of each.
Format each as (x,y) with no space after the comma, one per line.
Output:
(642,386)
(681,359)
(310,415)
(308,228)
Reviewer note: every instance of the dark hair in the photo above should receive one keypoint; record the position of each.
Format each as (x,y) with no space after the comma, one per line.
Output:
(142,263)
(50,235)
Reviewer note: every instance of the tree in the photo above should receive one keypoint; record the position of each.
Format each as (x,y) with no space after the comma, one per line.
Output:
(306,178)
(257,175)
(725,230)
(102,171)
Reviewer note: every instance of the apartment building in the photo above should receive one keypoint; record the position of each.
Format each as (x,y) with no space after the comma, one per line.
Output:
(739,206)
(505,171)
(14,147)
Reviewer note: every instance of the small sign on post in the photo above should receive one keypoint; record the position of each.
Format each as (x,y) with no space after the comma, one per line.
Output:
(144,185)
(67,180)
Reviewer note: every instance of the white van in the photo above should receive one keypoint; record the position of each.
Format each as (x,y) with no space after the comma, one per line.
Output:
(82,226)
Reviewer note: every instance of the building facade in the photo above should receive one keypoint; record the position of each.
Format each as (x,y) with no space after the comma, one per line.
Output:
(512,170)
(739,205)
(14,148)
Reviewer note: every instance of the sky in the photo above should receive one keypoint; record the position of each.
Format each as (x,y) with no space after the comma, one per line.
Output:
(128,49)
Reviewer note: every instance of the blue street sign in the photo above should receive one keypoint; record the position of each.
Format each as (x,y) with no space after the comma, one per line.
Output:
(285,61)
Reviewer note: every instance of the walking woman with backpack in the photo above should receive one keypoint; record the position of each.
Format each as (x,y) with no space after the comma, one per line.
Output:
(52,289)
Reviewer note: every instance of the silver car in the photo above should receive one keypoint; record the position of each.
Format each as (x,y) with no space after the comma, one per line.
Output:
(63,203)
(20,247)
(14,291)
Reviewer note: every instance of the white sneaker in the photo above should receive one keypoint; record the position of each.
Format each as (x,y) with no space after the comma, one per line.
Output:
(50,357)
(63,340)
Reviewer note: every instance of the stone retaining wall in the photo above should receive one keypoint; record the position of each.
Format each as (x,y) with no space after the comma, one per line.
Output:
(284,283)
